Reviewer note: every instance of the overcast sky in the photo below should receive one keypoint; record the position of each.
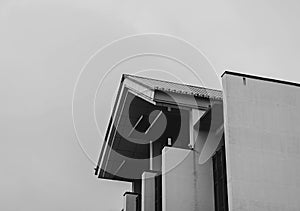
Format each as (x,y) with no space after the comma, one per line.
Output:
(43,46)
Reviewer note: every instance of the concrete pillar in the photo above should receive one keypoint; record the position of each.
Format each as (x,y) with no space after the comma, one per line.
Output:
(186,185)
(155,158)
(148,191)
(130,201)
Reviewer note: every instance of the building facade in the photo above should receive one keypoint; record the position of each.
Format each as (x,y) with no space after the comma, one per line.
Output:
(191,148)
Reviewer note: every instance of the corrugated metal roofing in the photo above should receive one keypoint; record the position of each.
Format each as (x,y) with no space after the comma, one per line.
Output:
(167,86)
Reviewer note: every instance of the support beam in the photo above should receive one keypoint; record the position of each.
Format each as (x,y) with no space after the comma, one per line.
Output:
(195,116)
(155,158)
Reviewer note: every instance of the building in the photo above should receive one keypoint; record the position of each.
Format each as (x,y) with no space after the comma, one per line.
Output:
(190,148)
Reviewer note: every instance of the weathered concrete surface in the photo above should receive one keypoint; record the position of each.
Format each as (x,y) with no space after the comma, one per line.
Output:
(130,200)
(186,185)
(262,144)
(148,191)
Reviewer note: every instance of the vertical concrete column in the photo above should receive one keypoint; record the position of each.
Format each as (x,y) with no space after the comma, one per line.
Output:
(155,158)
(148,191)
(194,118)
(186,185)
(130,201)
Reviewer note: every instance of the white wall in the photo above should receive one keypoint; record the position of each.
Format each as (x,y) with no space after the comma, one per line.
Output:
(186,185)
(130,202)
(148,191)
(262,144)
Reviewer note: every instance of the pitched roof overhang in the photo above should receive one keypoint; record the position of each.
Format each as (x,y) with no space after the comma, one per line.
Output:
(123,160)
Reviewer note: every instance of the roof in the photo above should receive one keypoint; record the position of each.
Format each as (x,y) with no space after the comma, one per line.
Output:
(168,86)
(151,95)
(260,78)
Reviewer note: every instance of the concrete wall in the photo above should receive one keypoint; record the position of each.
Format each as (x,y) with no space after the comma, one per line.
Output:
(130,201)
(262,144)
(148,191)
(186,185)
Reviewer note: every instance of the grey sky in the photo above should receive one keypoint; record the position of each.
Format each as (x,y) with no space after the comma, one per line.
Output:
(44,44)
